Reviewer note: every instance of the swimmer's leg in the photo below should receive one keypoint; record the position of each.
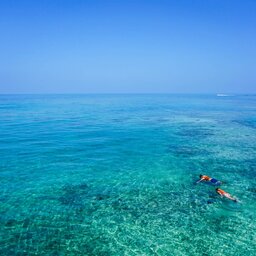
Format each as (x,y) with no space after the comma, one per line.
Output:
(215,182)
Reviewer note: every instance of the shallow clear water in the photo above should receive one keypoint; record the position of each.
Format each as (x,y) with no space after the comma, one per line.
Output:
(115,174)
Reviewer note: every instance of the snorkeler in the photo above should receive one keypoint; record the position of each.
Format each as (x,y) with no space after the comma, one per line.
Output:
(225,194)
(207,178)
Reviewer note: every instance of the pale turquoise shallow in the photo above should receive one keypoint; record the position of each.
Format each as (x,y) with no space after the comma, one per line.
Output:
(114,175)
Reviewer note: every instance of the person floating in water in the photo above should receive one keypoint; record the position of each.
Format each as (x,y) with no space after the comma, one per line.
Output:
(209,179)
(222,193)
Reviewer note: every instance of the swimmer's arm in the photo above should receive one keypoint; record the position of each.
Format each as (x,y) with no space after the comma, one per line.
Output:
(220,194)
(200,180)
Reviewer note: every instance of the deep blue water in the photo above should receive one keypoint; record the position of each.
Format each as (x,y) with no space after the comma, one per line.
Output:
(115,174)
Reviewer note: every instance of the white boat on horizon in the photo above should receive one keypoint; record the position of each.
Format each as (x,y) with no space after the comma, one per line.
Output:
(223,95)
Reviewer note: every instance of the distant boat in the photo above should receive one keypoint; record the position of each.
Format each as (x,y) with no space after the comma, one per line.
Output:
(223,95)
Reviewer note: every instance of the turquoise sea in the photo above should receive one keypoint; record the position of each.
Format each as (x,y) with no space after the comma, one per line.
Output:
(115,175)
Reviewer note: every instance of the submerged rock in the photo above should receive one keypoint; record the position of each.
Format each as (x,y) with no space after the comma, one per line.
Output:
(74,195)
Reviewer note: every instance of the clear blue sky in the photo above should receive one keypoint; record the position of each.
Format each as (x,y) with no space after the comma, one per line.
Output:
(90,46)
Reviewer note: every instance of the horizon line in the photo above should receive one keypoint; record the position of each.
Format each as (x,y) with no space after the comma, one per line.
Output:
(132,93)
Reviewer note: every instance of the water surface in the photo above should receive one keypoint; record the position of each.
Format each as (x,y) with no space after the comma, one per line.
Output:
(114,174)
